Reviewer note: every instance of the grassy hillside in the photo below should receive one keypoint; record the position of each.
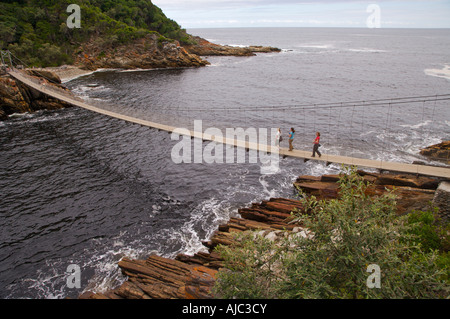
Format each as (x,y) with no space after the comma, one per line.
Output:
(36,30)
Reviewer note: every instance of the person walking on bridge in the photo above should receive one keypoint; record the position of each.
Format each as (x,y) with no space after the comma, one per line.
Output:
(291,139)
(278,138)
(316,145)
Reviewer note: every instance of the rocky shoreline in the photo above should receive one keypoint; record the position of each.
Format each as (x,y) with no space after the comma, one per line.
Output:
(192,277)
(16,98)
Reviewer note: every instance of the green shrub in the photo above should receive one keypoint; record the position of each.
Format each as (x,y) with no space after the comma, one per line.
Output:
(423,226)
(431,234)
(349,234)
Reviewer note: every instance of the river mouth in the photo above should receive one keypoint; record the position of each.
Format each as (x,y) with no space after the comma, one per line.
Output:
(80,188)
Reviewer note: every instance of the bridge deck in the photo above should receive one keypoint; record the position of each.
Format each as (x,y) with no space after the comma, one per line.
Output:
(377,164)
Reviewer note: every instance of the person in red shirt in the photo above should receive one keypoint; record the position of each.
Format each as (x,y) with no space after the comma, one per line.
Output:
(316,145)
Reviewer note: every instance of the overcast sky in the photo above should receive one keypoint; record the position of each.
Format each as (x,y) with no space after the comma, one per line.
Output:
(306,13)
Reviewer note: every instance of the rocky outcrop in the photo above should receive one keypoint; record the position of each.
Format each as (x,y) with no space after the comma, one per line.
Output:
(439,152)
(188,277)
(192,277)
(412,192)
(18,98)
(161,278)
(154,51)
(149,52)
(203,47)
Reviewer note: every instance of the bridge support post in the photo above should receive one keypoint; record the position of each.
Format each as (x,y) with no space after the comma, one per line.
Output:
(6,55)
(442,200)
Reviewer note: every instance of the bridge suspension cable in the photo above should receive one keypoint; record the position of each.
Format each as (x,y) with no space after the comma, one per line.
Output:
(336,105)
(328,158)
(12,59)
(317,110)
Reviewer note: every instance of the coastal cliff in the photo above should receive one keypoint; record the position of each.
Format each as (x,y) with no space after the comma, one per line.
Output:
(193,277)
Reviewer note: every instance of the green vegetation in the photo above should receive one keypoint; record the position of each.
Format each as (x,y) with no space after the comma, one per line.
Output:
(347,235)
(430,232)
(36,30)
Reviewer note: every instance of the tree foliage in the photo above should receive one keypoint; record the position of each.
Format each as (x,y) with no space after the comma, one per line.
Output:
(36,30)
(347,235)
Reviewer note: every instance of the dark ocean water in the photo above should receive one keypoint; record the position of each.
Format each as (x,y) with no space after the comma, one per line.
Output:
(80,188)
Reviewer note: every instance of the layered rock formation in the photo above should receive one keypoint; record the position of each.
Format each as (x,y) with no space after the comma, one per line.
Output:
(18,98)
(413,192)
(439,152)
(188,277)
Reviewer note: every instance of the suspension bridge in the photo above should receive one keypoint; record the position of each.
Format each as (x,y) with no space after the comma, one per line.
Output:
(419,169)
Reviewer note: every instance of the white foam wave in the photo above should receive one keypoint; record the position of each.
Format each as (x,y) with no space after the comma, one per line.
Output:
(107,275)
(142,70)
(134,70)
(238,45)
(367,50)
(320,168)
(37,117)
(440,73)
(48,285)
(213,65)
(83,91)
(367,133)
(68,79)
(317,46)
(90,87)
(332,48)
(210,213)
(207,216)
(290,51)
(21,115)
(418,125)
(265,185)
(74,77)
